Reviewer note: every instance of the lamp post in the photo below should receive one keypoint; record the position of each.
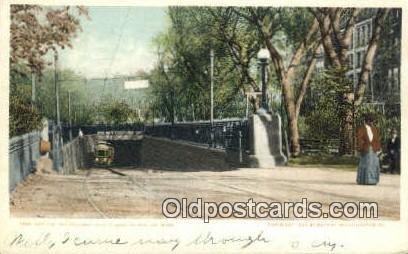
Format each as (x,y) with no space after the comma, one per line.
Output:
(263,59)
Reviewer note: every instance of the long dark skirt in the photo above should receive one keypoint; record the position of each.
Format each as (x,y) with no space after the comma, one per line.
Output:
(368,168)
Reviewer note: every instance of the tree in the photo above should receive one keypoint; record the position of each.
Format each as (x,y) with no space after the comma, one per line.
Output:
(185,49)
(82,107)
(242,45)
(323,119)
(23,116)
(336,27)
(115,112)
(236,35)
(300,29)
(35,30)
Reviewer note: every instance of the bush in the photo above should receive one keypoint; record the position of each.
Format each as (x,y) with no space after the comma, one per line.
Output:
(23,116)
(384,120)
(323,118)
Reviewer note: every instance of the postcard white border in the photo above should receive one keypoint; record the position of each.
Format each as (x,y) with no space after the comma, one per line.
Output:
(356,236)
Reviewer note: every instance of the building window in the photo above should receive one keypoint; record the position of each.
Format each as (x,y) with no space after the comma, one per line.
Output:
(396,79)
(389,81)
(369,31)
(352,41)
(358,37)
(358,60)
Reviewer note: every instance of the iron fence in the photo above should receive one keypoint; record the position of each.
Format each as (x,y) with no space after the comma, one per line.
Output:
(316,146)
(230,134)
(222,134)
(95,128)
(227,134)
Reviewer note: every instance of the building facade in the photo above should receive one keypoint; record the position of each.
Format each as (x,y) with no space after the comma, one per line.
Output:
(383,88)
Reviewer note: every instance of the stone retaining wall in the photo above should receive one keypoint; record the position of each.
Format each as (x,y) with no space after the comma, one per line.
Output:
(24,151)
(74,155)
(169,154)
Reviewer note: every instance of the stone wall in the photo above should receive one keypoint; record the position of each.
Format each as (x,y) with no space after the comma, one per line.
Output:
(74,155)
(24,151)
(162,153)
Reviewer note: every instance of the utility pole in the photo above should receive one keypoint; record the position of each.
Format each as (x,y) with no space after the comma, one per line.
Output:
(56,89)
(57,142)
(212,97)
(212,86)
(69,115)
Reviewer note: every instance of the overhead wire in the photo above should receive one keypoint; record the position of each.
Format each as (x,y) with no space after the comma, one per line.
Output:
(108,72)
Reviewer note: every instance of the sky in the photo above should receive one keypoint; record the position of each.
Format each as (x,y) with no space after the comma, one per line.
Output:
(116,40)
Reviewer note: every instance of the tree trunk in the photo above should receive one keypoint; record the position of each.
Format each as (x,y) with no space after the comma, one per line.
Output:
(255,101)
(346,129)
(292,117)
(294,134)
(338,58)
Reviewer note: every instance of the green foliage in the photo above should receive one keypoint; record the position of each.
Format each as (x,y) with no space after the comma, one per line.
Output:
(325,161)
(116,112)
(35,31)
(295,23)
(23,116)
(384,121)
(185,48)
(83,110)
(322,121)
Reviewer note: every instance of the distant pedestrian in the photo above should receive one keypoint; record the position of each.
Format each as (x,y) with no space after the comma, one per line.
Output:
(368,142)
(80,134)
(393,152)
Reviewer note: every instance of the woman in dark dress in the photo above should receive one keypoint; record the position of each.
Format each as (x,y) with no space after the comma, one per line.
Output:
(368,143)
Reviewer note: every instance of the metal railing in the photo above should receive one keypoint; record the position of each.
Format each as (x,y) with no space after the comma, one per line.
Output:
(232,134)
(222,134)
(95,128)
(315,146)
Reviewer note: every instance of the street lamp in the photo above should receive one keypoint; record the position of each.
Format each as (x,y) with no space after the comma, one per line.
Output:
(263,59)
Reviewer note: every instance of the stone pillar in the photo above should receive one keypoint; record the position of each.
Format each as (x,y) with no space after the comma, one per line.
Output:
(44,134)
(265,137)
(44,163)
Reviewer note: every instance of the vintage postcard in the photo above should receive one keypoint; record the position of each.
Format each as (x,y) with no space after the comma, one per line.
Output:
(203,127)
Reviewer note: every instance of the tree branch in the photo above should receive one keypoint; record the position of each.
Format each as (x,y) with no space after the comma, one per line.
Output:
(325,32)
(306,79)
(298,55)
(369,56)
(347,36)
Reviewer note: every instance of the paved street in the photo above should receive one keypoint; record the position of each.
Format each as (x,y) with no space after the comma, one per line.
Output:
(137,193)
